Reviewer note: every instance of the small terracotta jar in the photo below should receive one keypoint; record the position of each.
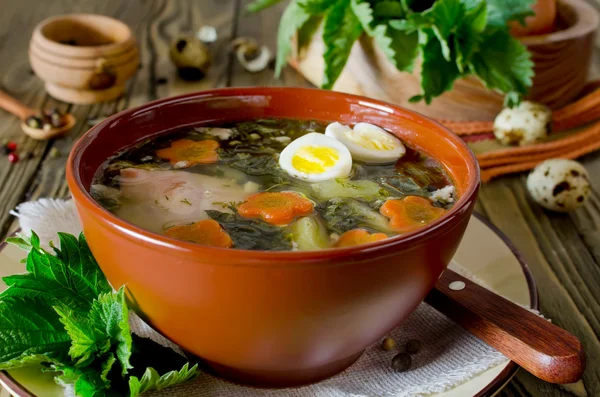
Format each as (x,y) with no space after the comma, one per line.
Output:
(83,58)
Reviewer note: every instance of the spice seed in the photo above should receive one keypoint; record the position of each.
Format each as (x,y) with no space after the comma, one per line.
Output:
(401,362)
(413,346)
(388,344)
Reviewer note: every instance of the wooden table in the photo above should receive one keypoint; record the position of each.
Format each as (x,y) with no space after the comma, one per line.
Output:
(563,251)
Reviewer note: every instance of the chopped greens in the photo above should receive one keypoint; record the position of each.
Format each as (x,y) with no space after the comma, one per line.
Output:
(252,234)
(345,214)
(63,314)
(248,164)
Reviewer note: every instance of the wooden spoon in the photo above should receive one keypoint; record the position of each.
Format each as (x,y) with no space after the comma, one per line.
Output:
(540,347)
(23,112)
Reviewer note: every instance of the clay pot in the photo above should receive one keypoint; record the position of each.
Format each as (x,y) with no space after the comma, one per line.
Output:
(260,317)
(562,62)
(83,58)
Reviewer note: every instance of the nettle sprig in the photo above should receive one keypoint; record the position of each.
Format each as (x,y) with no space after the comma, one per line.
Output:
(452,39)
(63,314)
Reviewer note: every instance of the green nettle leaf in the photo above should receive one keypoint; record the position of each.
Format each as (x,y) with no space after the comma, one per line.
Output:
(106,325)
(72,278)
(306,32)
(259,5)
(293,18)
(437,73)
(151,380)
(401,48)
(30,331)
(468,34)
(21,242)
(388,9)
(503,64)
(341,29)
(316,7)
(500,12)
(107,366)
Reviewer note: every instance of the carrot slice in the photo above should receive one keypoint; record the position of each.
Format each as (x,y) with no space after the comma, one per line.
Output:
(206,232)
(357,237)
(186,153)
(276,208)
(410,213)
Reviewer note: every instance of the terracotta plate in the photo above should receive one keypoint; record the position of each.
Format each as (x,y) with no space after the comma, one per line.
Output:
(484,251)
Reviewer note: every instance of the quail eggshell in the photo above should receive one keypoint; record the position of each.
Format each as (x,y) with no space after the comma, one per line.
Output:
(559,185)
(527,123)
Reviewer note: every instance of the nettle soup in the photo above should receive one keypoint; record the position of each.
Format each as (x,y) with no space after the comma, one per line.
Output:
(276,184)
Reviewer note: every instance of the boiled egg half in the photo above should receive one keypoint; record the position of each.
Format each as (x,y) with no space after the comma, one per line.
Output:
(315,157)
(367,142)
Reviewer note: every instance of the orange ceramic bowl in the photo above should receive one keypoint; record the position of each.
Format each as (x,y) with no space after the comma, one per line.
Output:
(271,318)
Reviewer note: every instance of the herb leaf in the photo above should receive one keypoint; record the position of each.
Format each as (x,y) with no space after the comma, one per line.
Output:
(30,331)
(251,234)
(341,29)
(293,18)
(438,74)
(503,64)
(400,47)
(72,278)
(500,12)
(106,325)
(151,380)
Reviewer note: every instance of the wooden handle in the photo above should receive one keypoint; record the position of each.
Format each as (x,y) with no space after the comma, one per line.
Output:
(15,107)
(540,347)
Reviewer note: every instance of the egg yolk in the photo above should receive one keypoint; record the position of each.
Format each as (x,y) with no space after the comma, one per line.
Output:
(315,159)
(379,143)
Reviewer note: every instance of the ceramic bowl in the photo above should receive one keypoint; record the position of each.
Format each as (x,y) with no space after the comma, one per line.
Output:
(83,58)
(271,318)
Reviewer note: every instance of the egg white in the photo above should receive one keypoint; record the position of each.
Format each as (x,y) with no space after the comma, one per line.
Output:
(340,169)
(367,142)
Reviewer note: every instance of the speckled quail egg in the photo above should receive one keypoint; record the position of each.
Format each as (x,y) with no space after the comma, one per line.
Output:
(527,123)
(191,57)
(559,184)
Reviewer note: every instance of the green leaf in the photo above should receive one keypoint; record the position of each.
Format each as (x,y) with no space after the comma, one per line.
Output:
(293,18)
(19,242)
(500,12)
(306,32)
(71,278)
(259,5)
(341,29)
(107,366)
(30,331)
(437,73)
(316,7)
(388,9)
(106,325)
(251,234)
(503,64)
(88,382)
(151,380)
(401,48)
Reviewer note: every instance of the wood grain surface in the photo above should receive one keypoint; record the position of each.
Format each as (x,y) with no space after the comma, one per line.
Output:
(563,250)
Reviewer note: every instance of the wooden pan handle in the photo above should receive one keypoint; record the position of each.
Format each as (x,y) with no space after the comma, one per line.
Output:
(540,347)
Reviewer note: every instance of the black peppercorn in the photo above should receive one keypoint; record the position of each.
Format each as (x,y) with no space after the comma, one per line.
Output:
(413,346)
(401,362)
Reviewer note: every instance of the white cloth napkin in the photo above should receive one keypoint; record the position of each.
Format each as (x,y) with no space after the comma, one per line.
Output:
(449,355)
